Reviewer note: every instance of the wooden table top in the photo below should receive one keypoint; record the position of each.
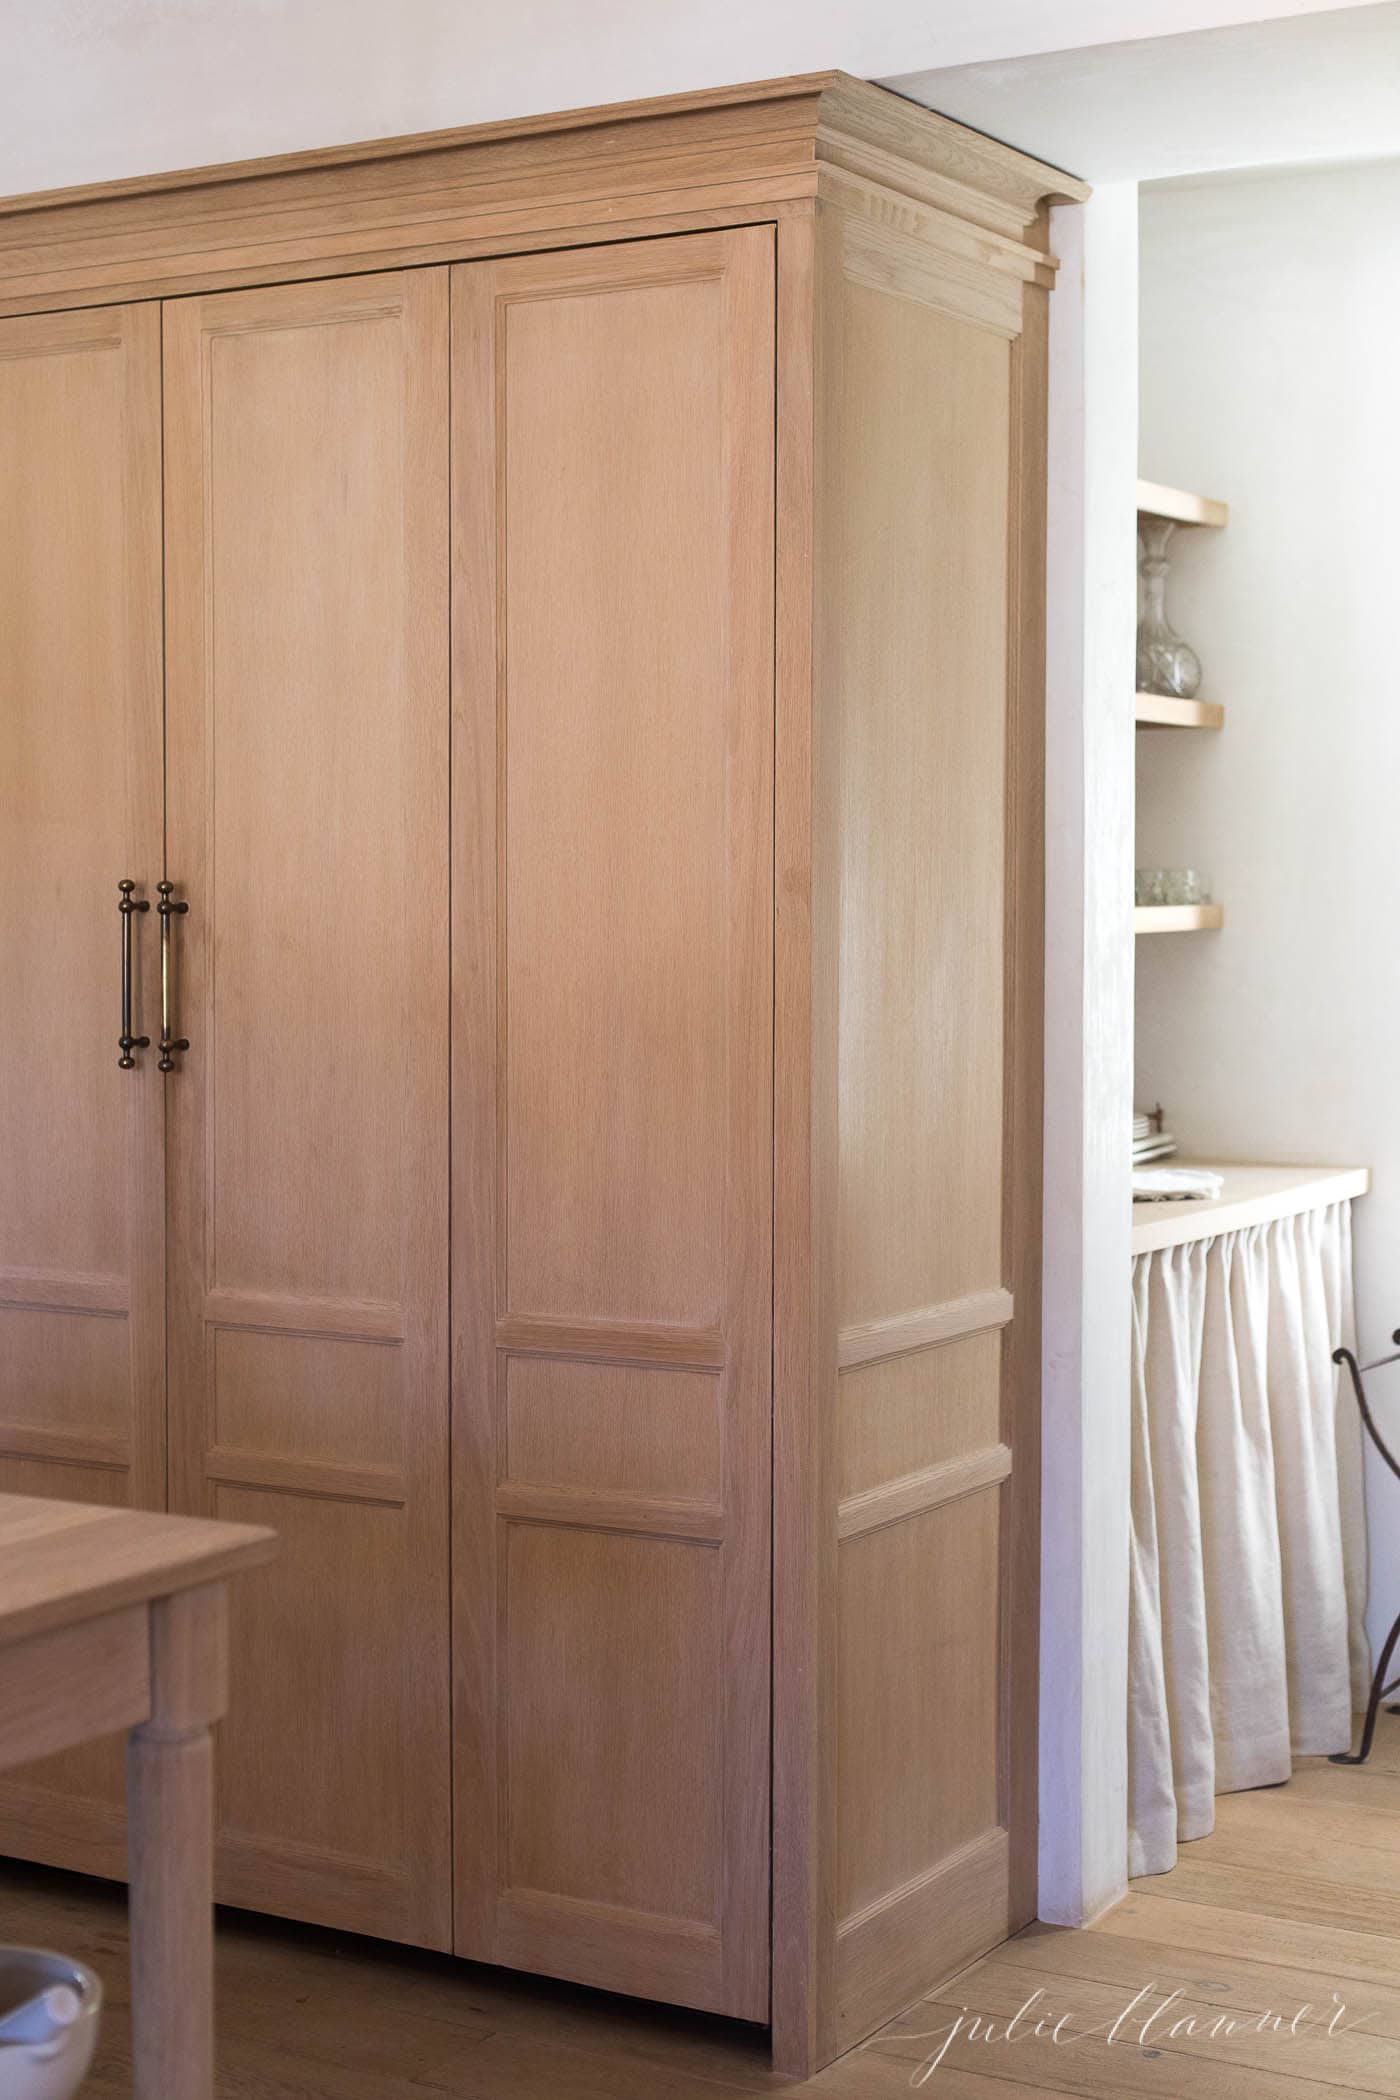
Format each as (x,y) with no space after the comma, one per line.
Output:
(64,1561)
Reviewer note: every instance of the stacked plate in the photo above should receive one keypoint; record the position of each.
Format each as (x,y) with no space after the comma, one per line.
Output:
(1151,1140)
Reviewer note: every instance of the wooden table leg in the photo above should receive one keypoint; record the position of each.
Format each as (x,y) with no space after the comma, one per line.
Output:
(171,1841)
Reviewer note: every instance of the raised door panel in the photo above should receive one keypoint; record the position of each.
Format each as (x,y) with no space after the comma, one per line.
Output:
(308,729)
(82,1347)
(613,551)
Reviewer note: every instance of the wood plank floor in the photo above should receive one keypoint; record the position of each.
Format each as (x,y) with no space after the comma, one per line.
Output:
(1295,1900)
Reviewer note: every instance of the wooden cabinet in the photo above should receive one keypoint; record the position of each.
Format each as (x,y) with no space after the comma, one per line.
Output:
(601,761)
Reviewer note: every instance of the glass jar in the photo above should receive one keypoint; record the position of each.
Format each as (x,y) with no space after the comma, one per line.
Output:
(1185,886)
(1165,664)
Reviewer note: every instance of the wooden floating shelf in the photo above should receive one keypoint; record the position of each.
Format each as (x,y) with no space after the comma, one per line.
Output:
(1157,711)
(1177,918)
(1155,500)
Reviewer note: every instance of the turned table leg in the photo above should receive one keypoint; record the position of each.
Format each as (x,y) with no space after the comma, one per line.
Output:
(171,1802)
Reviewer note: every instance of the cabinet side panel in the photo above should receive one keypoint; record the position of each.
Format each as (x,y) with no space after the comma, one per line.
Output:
(924,1598)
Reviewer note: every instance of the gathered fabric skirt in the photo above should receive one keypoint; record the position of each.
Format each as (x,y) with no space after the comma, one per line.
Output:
(1247,1643)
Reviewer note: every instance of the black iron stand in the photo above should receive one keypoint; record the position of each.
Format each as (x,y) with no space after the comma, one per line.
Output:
(1380,1690)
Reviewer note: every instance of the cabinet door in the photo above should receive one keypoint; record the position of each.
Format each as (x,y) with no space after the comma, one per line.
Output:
(613,871)
(82,1345)
(307,738)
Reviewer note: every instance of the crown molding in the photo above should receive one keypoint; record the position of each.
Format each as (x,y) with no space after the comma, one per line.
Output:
(725,154)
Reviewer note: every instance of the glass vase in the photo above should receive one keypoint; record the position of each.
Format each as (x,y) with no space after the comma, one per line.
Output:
(1165,663)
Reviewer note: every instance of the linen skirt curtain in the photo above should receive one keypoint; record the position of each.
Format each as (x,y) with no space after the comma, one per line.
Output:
(1248,1537)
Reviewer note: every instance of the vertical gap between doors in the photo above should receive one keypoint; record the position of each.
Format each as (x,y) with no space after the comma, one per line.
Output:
(775,370)
(451,1150)
(164,1122)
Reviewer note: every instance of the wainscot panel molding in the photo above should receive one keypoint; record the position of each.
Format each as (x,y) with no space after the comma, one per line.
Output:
(554,613)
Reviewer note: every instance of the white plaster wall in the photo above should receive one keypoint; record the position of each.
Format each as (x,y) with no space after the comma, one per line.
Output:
(1088,1057)
(1270,318)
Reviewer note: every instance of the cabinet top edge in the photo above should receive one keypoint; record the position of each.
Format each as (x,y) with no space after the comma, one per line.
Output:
(815,108)
(879,117)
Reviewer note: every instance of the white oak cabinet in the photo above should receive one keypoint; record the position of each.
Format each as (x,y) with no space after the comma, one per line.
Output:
(558,607)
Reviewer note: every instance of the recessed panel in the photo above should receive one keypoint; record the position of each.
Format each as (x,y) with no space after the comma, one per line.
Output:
(917,1644)
(908,1412)
(305,1396)
(321,1632)
(63,1482)
(618,695)
(307,781)
(614,1702)
(922,669)
(66,793)
(613,1426)
(66,1371)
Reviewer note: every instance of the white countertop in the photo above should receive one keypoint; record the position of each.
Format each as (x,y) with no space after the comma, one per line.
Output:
(1252,1196)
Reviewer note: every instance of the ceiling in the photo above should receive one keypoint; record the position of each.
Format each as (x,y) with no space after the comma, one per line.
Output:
(1307,88)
